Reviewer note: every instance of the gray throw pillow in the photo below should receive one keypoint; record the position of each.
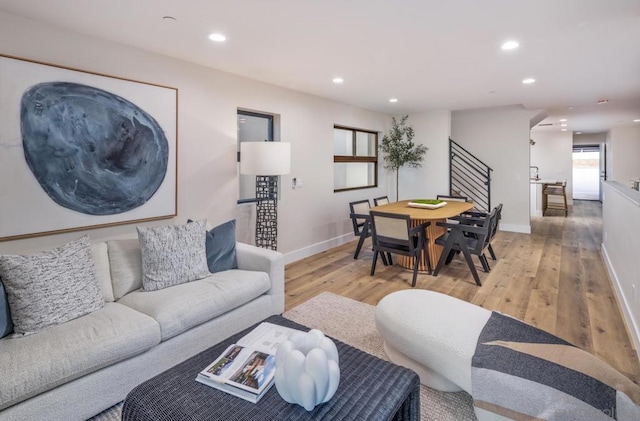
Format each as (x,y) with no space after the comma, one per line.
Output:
(51,287)
(6,325)
(221,247)
(172,255)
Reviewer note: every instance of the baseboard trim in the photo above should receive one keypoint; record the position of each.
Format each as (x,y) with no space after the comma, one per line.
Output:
(524,229)
(632,326)
(296,255)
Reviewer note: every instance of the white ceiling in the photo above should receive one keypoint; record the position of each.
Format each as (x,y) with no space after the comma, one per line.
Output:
(430,54)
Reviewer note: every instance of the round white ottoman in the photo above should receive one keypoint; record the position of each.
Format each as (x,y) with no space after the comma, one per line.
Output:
(433,334)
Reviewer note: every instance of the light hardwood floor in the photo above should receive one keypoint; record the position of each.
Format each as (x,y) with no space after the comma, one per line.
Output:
(554,279)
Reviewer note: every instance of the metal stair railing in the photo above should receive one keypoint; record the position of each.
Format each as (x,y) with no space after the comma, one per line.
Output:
(469,176)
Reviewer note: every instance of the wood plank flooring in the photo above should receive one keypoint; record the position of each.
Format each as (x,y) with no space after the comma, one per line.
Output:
(553,279)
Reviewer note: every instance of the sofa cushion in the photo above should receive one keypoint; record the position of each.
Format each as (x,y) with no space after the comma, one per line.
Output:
(103,272)
(173,254)
(184,306)
(125,260)
(51,287)
(6,325)
(221,247)
(39,362)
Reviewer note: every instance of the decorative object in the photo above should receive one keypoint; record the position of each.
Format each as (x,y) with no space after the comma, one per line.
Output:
(427,204)
(307,370)
(173,254)
(51,287)
(266,160)
(82,149)
(399,149)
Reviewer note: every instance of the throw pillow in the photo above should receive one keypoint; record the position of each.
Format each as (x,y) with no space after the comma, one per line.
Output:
(6,325)
(221,247)
(51,287)
(172,255)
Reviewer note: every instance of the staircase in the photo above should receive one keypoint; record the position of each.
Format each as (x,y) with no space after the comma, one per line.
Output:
(469,176)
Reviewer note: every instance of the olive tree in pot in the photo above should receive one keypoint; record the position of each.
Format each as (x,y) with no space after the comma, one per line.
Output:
(399,149)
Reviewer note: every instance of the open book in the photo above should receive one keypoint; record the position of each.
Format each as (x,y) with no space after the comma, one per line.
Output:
(247,368)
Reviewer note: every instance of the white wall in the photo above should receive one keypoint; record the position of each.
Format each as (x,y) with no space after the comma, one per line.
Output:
(310,218)
(432,129)
(624,148)
(621,247)
(589,138)
(499,136)
(553,155)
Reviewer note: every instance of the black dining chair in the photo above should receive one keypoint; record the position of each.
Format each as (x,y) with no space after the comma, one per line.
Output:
(468,239)
(361,221)
(477,218)
(393,233)
(382,200)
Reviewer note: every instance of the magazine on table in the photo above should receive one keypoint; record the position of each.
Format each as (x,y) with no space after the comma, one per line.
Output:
(247,368)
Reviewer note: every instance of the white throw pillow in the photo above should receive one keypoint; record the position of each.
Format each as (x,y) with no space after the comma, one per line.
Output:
(51,287)
(173,254)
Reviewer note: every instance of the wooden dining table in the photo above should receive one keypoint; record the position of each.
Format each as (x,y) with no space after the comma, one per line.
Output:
(421,215)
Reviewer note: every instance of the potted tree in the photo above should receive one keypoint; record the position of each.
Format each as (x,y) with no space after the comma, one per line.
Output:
(399,149)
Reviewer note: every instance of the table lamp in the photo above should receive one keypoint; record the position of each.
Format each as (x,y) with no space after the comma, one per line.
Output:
(266,160)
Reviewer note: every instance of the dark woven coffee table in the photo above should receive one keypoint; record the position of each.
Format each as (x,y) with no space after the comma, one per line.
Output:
(370,389)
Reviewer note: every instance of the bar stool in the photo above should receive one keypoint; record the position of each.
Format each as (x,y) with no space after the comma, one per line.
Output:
(555,189)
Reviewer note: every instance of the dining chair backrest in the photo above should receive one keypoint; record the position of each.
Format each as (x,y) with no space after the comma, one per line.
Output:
(382,200)
(360,207)
(390,227)
(489,224)
(452,198)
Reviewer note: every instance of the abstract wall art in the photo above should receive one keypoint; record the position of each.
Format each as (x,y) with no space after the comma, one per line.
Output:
(81,150)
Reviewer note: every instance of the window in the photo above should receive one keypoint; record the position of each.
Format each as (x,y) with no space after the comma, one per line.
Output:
(355,159)
(252,127)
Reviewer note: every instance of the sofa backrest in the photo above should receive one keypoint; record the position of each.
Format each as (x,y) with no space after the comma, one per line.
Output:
(101,261)
(125,261)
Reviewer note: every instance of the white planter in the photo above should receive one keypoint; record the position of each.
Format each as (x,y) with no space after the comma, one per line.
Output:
(307,370)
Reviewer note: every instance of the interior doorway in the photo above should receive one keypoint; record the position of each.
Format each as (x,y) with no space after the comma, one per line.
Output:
(587,161)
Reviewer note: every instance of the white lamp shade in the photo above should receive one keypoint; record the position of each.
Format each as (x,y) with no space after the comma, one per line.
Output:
(265,158)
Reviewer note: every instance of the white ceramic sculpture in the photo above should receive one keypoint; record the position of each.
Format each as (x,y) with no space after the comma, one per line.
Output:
(307,370)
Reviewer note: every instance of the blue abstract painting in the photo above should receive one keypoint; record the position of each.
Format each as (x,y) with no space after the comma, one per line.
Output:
(91,151)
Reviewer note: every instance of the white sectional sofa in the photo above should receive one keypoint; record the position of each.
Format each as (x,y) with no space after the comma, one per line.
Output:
(76,369)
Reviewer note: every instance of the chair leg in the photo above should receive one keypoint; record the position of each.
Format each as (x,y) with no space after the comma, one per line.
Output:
(415,270)
(485,263)
(373,262)
(384,259)
(360,243)
(427,258)
(445,252)
(472,267)
(493,255)
(450,256)
(390,259)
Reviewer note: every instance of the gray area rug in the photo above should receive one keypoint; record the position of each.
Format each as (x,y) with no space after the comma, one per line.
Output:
(352,322)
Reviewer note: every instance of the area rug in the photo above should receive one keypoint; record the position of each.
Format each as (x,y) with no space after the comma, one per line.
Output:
(352,322)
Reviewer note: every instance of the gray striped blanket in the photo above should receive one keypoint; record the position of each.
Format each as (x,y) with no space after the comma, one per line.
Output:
(523,373)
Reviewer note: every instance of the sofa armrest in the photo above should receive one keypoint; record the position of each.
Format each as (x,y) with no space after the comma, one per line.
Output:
(264,260)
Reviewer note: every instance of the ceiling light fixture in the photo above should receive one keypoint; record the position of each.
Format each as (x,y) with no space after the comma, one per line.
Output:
(578,132)
(563,120)
(528,81)
(563,130)
(217,37)
(393,100)
(637,120)
(510,45)
(337,80)
(169,19)
(603,101)
(569,107)
(563,125)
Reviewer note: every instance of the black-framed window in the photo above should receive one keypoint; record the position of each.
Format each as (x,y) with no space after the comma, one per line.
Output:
(355,159)
(252,127)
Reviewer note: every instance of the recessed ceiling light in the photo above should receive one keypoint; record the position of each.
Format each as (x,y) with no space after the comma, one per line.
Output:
(563,119)
(578,132)
(563,130)
(603,101)
(637,120)
(528,81)
(217,37)
(337,80)
(169,19)
(393,100)
(510,45)
(563,125)
(569,107)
